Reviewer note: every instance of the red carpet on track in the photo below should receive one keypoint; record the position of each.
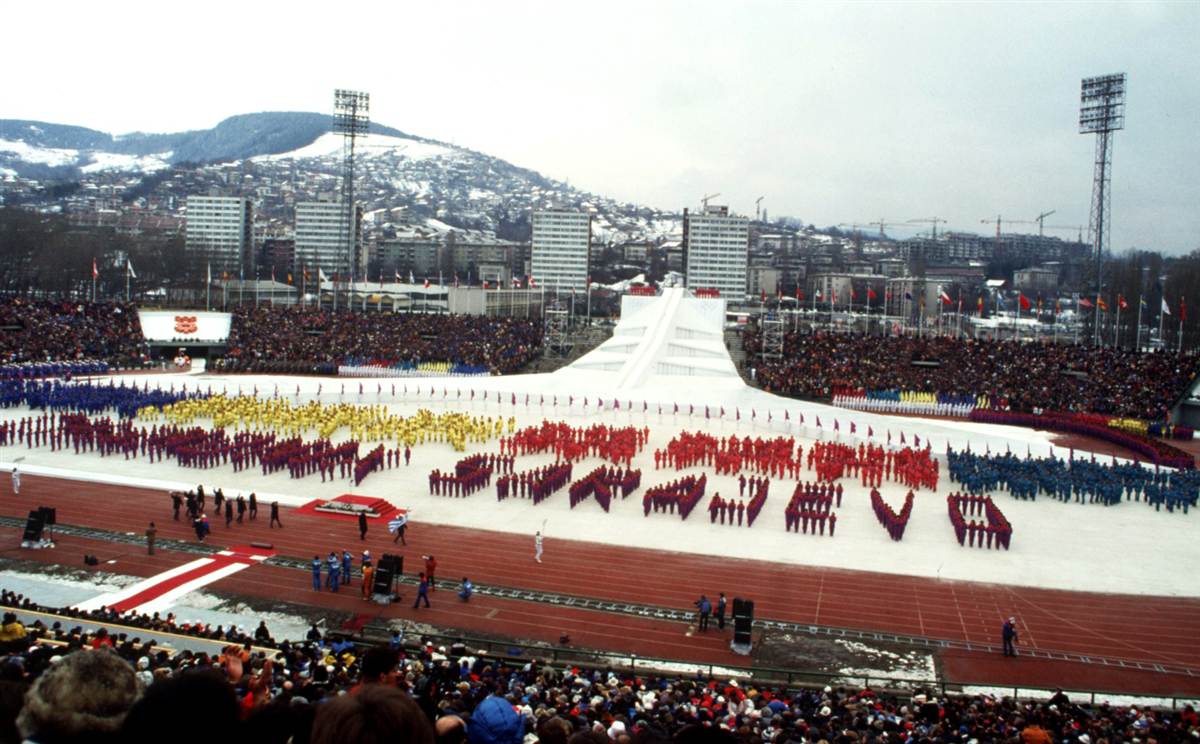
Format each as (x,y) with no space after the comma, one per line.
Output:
(241,554)
(382,507)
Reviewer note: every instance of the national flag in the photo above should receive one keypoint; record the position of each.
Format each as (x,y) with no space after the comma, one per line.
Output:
(426,284)
(1025,304)
(456,280)
(908,295)
(1165,310)
(871,295)
(799,295)
(398,278)
(1142,302)
(272,274)
(485,284)
(945,298)
(1182,310)
(516,283)
(1039,305)
(1057,307)
(1121,303)
(321,276)
(129,268)
(1085,303)
(979,305)
(289,277)
(411,279)
(1100,303)
(95,271)
(394,525)
(532,282)
(853,294)
(763,298)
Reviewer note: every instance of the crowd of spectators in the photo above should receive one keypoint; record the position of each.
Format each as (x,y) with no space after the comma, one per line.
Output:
(88,687)
(67,331)
(307,340)
(1021,376)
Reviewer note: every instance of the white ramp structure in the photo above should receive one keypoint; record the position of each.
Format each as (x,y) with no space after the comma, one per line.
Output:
(674,335)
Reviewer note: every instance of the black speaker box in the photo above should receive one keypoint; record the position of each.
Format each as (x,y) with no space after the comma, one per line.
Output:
(743,608)
(386,571)
(49,515)
(33,527)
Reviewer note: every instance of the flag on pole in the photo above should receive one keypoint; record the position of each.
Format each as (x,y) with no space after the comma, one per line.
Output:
(945,298)
(95,271)
(1025,303)
(411,279)
(1165,309)
(321,278)
(426,284)
(1121,303)
(129,268)
(871,296)
(1182,310)
(1100,303)
(1085,303)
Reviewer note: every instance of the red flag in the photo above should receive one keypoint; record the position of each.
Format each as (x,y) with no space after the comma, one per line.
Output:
(1085,303)
(1121,303)
(979,305)
(1182,310)
(799,295)
(95,271)
(871,295)
(764,295)
(426,284)
(1025,304)
(945,298)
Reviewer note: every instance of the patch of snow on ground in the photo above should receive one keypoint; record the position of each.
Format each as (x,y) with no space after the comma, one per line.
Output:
(54,590)
(376,144)
(44,155)
(102,161)
(914,666)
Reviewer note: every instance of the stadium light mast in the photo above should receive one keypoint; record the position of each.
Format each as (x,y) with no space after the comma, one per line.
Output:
(1101,112)
(351,119)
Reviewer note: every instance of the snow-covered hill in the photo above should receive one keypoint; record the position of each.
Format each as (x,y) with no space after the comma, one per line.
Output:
(280,158)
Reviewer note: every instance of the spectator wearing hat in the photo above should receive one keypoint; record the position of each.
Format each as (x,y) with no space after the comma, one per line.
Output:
(495,722)
(83,698)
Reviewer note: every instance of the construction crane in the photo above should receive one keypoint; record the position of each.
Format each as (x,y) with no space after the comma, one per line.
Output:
(757,204)
(1078,228)
(880,224)
(1000,220)
(930,221)
(1040,219)
(704,199)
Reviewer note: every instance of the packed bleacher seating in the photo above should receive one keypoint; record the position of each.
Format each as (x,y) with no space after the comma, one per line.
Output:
(305,340)
(1014,375)
(62,331)
(71,685)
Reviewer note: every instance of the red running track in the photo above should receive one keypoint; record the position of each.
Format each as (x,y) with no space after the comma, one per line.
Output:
(1140,628)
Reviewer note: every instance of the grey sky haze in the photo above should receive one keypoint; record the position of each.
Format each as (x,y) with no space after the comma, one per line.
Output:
(833,112)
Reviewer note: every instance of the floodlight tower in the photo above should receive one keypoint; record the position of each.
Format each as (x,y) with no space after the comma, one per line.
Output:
(1101,112)
(351,119)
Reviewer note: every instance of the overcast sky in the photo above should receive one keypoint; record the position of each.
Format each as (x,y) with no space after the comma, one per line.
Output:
(833,113)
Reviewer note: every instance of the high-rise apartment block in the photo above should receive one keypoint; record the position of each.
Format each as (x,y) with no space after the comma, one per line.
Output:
(716,251)
(561,248)
(326,240)
(219,232)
